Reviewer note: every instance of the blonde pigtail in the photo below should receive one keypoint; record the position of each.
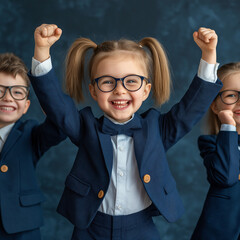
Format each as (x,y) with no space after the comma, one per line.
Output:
(161,81)
(75,67)
(211,124)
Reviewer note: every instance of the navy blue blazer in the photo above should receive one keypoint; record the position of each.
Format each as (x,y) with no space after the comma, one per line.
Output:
(20,195)
(92,168)
(220,217)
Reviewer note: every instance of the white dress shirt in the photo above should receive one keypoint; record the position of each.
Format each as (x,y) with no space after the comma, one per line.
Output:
(126,193)
(4,132)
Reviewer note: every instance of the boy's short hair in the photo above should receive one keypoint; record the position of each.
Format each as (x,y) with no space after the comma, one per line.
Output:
(13,65)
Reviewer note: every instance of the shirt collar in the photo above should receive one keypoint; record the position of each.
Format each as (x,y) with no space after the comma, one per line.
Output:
(4,132)
(115,122)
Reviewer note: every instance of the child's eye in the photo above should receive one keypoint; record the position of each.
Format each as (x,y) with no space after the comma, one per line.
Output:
(130,81)
(107,82)
(18,91)
(231,96)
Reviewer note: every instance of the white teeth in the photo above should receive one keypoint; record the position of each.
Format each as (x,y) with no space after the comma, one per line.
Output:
(120,102)
(7,108)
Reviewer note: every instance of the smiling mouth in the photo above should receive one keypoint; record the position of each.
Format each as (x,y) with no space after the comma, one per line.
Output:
(7,109)
(237,112)
(121,104)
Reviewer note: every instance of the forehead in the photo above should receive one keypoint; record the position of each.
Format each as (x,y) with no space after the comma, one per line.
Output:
(119,62)
(9,80)
(232,81)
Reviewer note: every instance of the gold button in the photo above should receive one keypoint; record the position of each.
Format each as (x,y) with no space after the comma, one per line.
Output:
(239,177)
(4,168)
(146,178)
(100,194)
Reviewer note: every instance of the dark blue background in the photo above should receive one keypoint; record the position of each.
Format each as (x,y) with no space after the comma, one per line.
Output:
(172,22)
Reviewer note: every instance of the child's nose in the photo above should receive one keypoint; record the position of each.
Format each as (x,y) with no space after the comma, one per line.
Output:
(120,88)
(8,96)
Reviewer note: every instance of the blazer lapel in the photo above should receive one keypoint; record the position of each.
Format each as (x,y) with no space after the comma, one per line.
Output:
(107,150)
(140,138)
(11,139)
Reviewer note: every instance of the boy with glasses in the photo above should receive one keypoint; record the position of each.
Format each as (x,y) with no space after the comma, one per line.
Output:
(22,143)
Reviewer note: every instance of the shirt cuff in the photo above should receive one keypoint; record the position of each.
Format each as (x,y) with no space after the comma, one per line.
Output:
(227,127)
(41,68)
(207,71)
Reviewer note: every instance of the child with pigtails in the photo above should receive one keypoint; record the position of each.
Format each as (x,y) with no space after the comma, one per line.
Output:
(219,149)
(120,178)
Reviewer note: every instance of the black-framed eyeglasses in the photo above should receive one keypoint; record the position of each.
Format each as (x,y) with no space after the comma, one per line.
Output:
(130,82)
(229,96)
(18,92)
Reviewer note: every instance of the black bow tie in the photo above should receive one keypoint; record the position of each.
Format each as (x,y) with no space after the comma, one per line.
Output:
(115,129)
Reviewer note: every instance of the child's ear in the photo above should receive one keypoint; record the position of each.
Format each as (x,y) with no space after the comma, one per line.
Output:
(214,107)
(92,91)
(147,91)
(27,104)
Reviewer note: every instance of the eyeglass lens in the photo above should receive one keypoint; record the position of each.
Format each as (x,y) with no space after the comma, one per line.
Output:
(17,92)
(230,96)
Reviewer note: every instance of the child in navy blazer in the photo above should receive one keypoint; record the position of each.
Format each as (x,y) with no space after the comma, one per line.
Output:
(220,218)
(120,177)
(22,143)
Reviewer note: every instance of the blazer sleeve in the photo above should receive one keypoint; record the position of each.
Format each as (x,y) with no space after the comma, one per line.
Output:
(221,157)
(44,136)
(59,107)
(188,111)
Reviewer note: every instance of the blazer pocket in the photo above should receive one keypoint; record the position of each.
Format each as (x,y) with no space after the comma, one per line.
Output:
(76,185)
(31,199)
(219,196)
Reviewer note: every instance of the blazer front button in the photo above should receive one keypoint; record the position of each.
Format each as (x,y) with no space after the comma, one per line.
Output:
(146,178)
(4,168)
(100,194)
(239,177)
